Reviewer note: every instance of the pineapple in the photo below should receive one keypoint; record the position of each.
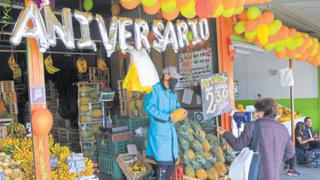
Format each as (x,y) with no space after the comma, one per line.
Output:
(189,171)
(221,168)
(206,145)
(212,174)
(202,174)
(219,154)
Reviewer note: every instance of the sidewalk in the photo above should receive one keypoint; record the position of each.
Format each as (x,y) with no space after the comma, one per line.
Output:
(306,174)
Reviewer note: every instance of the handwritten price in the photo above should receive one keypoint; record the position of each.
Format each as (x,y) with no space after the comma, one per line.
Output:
(215,98)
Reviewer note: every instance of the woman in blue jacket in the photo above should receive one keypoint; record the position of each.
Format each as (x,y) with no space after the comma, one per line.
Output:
(162,143)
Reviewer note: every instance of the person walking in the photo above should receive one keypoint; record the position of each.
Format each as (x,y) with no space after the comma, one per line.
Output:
(273,140)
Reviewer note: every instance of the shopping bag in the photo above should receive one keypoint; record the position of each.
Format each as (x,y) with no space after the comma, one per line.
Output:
(147,72)
(247,163)
(239,169)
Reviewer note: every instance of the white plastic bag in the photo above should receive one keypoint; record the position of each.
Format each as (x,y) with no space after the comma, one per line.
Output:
(148,74)
(239,169)
(286,77)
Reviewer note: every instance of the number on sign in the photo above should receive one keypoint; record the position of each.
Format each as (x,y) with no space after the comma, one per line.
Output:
(212,107)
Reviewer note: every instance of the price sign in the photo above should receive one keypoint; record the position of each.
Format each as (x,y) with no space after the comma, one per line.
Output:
(76,163)
(2,176)
(54,162)
(215,95)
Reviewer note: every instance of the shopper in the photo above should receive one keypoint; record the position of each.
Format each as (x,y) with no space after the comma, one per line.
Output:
(273,140)
(309,133)
(162,143)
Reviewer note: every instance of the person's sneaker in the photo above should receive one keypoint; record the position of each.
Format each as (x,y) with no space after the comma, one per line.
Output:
(292,173)
(286,168)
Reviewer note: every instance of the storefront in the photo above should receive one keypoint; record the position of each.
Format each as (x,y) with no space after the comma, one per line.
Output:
(86,75)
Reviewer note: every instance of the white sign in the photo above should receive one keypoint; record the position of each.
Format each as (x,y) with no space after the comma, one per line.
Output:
(194,66)
(187,96)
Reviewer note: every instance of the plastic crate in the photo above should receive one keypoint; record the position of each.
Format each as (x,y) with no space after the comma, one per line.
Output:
(112,148)
(110,166)
(133,123)
(139,142)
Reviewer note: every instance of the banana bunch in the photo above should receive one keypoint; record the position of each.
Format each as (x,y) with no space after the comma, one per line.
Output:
(16,70)
(138,167)
(48,64)
(101,64)
(8,144)
(82,65)
(16,130)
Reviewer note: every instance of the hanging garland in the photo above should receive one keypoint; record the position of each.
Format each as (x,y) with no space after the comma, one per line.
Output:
(262,29)
(170,9)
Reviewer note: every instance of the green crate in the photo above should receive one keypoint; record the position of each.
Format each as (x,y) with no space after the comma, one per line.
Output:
(137,122)
(112,148)
(110,166)
(139,142)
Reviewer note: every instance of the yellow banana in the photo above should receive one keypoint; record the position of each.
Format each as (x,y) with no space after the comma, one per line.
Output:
(49,66)
(101,64)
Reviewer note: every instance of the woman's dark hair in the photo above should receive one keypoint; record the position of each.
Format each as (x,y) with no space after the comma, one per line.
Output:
(268,106)
(300,126)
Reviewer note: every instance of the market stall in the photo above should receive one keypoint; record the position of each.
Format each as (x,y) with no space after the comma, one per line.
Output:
(87,84)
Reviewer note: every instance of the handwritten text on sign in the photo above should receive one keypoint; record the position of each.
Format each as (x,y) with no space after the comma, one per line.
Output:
(215,95)
(76,163)
(194,66)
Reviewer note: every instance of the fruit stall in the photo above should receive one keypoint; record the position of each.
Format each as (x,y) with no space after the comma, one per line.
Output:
(72,97)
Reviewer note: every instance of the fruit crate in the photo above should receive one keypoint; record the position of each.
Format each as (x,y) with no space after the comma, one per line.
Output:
(134,123)
(110,166)
(89,131)
(95,74)
(139,142)
(6,86)
(89,149)
(127,170)
(112,148)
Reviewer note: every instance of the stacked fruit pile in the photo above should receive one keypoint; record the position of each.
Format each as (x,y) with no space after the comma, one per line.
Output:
(19,154)
(204,155)
(285,114)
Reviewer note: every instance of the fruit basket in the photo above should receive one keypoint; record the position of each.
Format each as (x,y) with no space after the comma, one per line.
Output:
(134,167)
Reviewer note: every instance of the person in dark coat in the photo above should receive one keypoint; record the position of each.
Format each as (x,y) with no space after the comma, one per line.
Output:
(273,140)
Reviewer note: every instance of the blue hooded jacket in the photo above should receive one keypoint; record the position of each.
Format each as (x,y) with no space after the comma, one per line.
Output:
(162,143)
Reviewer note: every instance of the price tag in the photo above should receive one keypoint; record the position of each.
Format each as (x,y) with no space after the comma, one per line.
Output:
(76,163)
(54,162)
(2,176)
(215,95)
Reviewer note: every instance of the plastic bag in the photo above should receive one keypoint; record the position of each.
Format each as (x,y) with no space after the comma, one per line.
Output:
(132,82)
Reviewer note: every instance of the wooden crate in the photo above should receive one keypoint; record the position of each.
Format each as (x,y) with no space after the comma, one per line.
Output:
(9,97)
(95,74)
(3,132)
(131,103)
(6,86)
(127,170)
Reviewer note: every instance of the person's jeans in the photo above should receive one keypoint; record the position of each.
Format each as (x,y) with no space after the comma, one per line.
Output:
(254,167)
(164,172)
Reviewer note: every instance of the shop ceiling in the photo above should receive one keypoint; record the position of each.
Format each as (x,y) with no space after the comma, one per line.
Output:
(304,15)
